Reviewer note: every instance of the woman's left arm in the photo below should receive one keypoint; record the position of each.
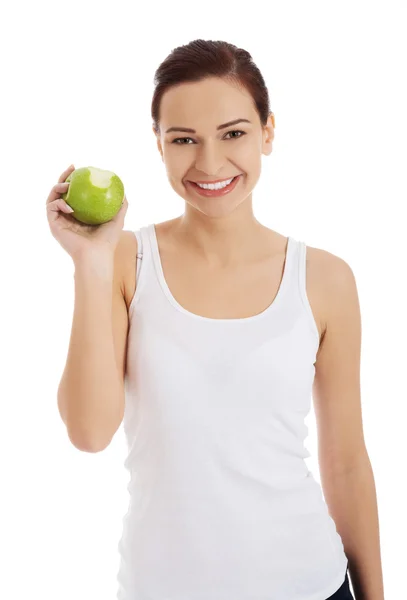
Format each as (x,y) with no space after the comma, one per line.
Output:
(346,474)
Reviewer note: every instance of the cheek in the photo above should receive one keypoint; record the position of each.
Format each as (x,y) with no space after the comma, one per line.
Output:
(176,161)
(247,151)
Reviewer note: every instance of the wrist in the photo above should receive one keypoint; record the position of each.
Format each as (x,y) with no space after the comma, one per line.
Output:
(98,263)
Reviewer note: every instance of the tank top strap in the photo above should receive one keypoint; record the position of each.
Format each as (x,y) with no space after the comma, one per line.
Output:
(289,282)
(143,248)
(302,284)
(140,245)
(302,257)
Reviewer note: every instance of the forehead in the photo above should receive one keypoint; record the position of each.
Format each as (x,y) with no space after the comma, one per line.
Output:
(205,103)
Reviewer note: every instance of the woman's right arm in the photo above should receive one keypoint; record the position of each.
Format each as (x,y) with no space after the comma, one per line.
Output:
(91,390)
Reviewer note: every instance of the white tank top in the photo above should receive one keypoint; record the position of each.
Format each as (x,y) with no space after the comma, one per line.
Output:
(222,505)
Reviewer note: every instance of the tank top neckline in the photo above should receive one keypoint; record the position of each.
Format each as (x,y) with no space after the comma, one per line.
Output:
(152,235)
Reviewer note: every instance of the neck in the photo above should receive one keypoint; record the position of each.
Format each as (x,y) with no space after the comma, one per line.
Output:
(221,241)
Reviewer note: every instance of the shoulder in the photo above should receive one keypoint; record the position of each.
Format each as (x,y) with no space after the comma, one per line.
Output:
(127,243)
(125,252)
(333,283)
(333,268)
(335,274)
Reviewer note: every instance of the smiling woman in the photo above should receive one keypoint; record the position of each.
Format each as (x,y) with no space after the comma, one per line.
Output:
(221,355)
(211,331)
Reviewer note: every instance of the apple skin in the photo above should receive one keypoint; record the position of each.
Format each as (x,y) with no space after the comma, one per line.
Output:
(96,195)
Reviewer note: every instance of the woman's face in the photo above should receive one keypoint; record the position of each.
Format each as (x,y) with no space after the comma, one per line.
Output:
(210,153)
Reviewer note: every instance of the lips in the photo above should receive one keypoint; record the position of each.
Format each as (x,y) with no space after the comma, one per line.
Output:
(217,180)
(215,193)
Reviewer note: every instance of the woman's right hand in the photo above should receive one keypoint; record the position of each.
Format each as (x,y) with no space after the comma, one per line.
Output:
(75,237)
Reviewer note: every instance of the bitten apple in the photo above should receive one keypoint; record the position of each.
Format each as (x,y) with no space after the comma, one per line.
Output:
(95,195)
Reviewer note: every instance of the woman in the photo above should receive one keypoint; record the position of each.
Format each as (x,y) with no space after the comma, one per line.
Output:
(204,335)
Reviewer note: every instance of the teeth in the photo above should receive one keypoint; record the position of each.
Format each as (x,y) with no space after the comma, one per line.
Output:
(215,186)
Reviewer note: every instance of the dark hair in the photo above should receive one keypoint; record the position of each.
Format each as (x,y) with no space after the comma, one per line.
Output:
(201,59)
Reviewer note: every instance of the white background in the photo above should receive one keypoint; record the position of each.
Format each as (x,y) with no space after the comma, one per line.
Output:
(77,81)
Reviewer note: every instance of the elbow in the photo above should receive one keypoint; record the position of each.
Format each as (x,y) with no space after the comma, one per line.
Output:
(90,434)
(80,442)
(95,440)
(84,444)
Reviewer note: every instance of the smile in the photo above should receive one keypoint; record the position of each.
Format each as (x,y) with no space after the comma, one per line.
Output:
(217,189)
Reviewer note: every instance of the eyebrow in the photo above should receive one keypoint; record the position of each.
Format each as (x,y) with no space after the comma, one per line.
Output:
(188,130)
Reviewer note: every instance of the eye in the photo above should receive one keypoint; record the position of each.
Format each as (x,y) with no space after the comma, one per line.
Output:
(188,138)
(236,131)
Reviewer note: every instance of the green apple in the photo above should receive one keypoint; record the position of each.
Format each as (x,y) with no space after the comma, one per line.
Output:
(94,194)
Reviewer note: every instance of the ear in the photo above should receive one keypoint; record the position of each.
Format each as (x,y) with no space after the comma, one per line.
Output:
(159,145)
(268,134)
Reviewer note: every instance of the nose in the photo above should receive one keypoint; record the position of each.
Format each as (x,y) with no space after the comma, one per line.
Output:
(210,160)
